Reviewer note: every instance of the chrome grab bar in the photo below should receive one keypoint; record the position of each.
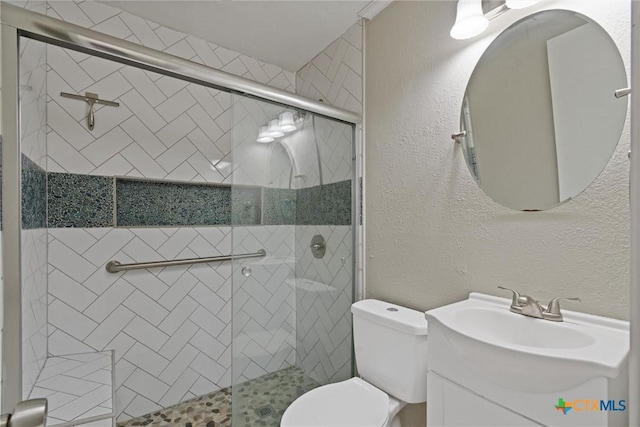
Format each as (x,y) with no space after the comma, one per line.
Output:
(116,266)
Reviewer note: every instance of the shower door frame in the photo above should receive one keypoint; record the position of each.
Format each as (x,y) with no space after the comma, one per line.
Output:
(18,22)
(634,199)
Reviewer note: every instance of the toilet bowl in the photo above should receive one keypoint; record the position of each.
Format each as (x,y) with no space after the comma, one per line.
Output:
(391,354)
(352,403)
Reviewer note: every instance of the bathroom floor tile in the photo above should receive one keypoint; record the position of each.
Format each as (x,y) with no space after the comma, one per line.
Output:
(259,402)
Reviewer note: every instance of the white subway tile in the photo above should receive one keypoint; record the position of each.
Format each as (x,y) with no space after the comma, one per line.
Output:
(146,359)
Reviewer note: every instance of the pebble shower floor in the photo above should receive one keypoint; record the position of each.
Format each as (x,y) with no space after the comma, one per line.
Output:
(261,402)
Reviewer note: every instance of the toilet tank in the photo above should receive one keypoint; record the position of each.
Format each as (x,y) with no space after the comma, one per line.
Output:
(391,348)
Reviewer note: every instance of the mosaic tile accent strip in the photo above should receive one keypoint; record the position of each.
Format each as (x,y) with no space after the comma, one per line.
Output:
(34,195)
(259,402)
(79,387)
(80,200)
(329,204)
(151,203)
(245,205)
(86,201)
(279,206)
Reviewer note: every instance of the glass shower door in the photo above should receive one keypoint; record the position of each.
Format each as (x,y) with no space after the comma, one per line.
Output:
(292,181)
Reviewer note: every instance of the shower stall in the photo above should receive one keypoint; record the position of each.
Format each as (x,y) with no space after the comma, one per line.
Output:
(160,265)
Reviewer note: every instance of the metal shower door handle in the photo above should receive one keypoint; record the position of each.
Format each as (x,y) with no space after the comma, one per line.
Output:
(28,413)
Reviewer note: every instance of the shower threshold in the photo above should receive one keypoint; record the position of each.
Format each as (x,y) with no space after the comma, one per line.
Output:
(259,402)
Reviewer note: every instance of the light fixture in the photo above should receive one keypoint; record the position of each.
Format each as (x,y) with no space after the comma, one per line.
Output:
(286,122)
(274,129)
(264,136)
(470,21)
(520,4)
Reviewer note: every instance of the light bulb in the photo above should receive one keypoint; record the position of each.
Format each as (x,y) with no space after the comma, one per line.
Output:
(274,129)
(286,122)
(470,21)
(520,4)
(264,136)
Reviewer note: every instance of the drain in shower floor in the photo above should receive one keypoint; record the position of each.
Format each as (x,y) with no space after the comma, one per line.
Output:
(265,411)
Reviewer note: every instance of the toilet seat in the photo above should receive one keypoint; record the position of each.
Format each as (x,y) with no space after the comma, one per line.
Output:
(352,403)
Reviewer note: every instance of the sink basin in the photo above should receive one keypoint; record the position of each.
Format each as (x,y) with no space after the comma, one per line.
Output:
(530,354)
(501,326)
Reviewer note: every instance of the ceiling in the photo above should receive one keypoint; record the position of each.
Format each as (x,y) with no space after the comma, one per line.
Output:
(285,33)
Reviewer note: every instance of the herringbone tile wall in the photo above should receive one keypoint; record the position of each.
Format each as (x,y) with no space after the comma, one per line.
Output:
(164,128)
(335,74)
(255,163)
(170,327)
(324,294)
(77,387)
(110,20)
(34,305)
(325,286)
(33,93)
(39,6)
(264,322)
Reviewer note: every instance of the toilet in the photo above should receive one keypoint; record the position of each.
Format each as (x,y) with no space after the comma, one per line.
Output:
(391,356)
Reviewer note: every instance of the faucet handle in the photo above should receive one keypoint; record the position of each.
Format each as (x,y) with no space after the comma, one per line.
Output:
(515,302)
(553,309)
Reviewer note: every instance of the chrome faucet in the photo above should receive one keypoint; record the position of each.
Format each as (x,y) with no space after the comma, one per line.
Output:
(553,312)
(528,306)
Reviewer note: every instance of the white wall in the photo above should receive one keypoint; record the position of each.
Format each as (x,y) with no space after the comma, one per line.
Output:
(432,235)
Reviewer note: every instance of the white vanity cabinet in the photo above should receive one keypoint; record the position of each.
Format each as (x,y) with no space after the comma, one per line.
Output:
(458,395)
(488,367)
(452,405)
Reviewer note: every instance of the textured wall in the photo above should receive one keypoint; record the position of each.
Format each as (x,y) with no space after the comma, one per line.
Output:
(432,234)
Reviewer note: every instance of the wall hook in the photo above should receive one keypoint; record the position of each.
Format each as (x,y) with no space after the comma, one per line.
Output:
(91,99)
(622,92)
(457,137)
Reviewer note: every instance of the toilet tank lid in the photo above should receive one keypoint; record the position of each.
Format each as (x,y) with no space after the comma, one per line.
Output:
(400,318)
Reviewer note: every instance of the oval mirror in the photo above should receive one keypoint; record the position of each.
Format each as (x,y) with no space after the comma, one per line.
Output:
(540,115)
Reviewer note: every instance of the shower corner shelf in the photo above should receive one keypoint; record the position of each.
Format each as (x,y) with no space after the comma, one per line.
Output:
(79,388)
